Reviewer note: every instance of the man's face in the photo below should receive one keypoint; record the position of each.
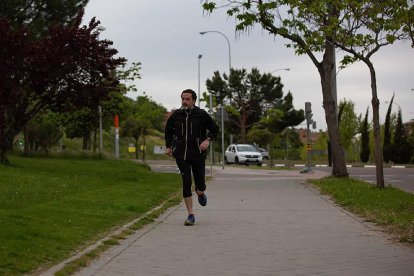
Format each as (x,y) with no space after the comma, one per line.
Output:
(187,101)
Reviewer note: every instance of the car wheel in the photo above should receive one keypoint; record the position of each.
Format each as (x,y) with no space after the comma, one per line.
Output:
(236,160)
(259,164)
(225,161)
(265,158)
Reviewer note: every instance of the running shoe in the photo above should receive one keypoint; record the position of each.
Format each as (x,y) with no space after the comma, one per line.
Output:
(190,220)
(202,199)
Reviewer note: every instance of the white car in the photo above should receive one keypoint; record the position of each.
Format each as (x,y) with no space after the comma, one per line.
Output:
(243,154)
(265,154)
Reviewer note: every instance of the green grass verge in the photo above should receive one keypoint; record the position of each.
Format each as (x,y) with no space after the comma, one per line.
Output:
(390,207)
(50,208)
(79,263)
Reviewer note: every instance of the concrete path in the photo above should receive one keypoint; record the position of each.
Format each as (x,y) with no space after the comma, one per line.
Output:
(258,223)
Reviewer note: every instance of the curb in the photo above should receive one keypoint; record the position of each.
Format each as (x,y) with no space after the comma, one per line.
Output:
(348,166)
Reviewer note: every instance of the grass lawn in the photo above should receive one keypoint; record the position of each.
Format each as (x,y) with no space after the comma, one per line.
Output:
(50,207)
(389,207)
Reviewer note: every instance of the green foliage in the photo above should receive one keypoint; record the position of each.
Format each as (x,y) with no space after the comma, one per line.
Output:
(388,207)
(259,136)
(80,123)
(31,83)
(150,112)
(348,125)
(254,98)
(49,208)
(44,131)
(318,146)
(402,150)
(128,76)
(365,151)
(132,127)
(39,15)
(309,26)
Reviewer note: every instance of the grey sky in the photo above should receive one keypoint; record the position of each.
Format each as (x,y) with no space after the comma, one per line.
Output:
(164,36)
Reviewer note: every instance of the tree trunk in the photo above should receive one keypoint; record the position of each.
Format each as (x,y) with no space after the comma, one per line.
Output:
(3,158)
(85,140)
(136,148)
(325,69)
(6,144)
(379,166)
(143,150)
(94,139)
(243,126)
(26,142)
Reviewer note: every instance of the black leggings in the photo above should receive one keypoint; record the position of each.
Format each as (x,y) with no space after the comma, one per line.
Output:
(197,166)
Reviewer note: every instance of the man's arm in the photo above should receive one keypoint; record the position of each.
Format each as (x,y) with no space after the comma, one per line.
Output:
(169,135)
(212,127)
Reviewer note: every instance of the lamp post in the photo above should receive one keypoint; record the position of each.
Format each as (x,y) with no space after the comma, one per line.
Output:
(222,108)
(199,58)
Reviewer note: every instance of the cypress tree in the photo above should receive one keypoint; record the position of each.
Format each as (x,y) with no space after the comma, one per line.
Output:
(387,134)
(401,148)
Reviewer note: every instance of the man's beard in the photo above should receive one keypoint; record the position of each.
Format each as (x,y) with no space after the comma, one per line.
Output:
(186,107)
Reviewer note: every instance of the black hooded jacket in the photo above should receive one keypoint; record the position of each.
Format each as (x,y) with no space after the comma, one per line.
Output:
(186,129)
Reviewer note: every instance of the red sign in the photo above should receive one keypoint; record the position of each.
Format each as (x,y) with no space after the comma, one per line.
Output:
(116,121)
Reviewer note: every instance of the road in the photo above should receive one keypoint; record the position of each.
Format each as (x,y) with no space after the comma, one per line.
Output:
(402,178)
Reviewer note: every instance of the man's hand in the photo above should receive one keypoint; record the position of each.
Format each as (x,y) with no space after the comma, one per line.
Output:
(168,151)
(204,145)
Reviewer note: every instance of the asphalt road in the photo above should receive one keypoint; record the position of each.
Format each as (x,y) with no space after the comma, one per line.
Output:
(402,178)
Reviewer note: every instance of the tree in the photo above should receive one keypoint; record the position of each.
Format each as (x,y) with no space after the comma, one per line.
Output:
(39,15)
(387,133)
(252,95)
(401,148)
(348,124)
(132,127)
(308,26)
(85,120)
(44,131)
(145,114)
(80,123)
(365,152)
(150,111)
(65,69)
(365,27)
(259,135)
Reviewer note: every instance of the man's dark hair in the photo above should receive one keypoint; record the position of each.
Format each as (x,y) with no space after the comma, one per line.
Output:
(190,91)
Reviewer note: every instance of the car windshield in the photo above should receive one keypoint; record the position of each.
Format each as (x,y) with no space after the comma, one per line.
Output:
(246,148)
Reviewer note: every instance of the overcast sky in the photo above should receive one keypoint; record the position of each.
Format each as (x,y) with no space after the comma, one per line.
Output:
(164,36)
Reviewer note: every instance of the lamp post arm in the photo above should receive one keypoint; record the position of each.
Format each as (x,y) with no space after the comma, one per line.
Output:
(228,43)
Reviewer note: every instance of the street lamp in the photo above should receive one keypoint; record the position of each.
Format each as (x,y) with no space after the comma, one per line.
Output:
(280,69)
(222,108)
(199,58)
(387,102)
(228,43)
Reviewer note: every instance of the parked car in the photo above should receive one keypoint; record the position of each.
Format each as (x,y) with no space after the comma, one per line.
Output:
(265,153)
(242,154)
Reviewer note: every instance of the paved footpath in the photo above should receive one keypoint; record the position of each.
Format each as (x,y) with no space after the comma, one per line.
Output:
(258,223)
